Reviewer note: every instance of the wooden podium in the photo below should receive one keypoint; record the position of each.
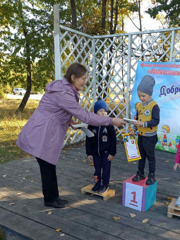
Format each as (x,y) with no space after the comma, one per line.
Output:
(109,194)
(138,195)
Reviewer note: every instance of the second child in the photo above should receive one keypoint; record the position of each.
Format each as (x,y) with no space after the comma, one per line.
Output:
(102,149)
(147,123)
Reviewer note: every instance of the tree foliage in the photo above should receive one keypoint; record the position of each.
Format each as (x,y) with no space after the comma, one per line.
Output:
(26,32)
(27,37)
(171,9)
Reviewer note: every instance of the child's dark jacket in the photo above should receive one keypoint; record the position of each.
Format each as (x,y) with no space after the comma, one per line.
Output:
(104,140)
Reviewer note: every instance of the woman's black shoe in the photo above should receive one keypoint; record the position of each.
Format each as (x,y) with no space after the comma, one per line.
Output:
(54,204)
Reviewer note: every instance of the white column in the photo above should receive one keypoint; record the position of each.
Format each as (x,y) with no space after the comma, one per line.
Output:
(128,79)
(57,55)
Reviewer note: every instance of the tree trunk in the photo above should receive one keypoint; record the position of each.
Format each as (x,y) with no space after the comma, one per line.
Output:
(28,62)
(103,14)
(73,13)
(103,25)
(140,27)
(113,25)
(28,89)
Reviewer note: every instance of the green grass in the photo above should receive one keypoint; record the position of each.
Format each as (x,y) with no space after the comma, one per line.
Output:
(10,127)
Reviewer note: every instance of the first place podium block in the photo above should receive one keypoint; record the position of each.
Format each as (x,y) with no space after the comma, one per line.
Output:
(138,195)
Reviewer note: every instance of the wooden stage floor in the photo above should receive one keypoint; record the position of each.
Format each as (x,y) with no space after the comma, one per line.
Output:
(87,217)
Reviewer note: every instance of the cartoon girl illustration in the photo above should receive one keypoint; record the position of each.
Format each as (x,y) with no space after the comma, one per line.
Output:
(165,129)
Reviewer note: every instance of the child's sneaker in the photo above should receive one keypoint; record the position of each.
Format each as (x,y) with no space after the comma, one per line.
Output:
(96,187)
(138,177)
(151,179)
(103,189)
(177,203)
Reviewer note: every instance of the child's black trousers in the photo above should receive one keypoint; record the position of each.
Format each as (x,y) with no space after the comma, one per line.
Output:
(102,168)
(147,150)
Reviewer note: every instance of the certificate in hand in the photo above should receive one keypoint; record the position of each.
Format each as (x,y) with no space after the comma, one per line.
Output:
(83,127)
(129,120)
(131,147)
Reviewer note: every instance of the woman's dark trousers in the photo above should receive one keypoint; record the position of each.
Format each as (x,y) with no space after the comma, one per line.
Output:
(49,180)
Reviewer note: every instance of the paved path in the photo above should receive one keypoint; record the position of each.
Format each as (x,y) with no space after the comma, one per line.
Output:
(32,96)
(86,217)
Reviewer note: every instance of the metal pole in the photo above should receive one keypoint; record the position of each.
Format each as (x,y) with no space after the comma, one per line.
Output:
(57,54)
(128,78)
(94,71)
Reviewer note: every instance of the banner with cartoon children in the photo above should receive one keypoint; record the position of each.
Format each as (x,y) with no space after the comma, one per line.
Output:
(166,93)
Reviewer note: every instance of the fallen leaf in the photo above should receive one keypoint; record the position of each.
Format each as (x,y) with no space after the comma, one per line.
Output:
(167,203)
(11,203)
(132,215)
(50,212)
(91,164)
(116,218)
(169,198)
(84,160)
(145,220)
(58,230)
(32,180)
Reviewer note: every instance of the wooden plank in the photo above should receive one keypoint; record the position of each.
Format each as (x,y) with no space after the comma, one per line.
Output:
(68,225)
(29,227)
(107,195)
(172,209)
(80,224)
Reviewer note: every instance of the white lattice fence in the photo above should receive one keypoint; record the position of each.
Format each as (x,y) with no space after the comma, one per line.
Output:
(112,62)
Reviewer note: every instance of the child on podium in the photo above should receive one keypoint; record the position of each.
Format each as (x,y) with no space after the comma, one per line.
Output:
(101,149)
(177,164)
(148,118)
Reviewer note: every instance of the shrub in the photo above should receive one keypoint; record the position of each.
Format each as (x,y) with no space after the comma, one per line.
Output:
(2,95)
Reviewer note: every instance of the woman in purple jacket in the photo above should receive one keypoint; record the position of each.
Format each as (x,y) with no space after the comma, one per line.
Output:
(44,133)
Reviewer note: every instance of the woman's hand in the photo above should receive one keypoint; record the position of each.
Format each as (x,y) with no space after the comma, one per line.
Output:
(110,157)
(176,165)
(73,123)
(132,132)
(118,122)
(138,124)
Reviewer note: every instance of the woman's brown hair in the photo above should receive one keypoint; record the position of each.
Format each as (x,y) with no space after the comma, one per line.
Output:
(77,69)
